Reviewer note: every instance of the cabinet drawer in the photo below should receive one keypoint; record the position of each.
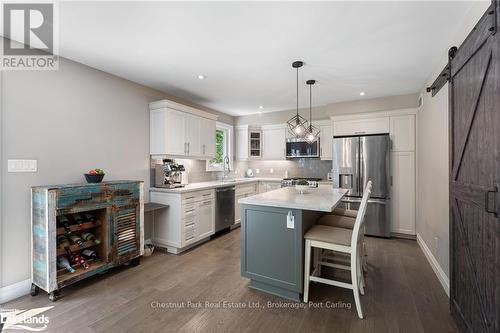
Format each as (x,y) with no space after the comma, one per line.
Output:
(246,189)
(74,197)
(197,196)
(123,194)
(189,221)
(189,234)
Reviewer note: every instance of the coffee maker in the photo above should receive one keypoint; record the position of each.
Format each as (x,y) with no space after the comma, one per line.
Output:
(169,174)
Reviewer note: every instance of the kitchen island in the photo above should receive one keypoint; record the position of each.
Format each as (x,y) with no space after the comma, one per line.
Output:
(272,229)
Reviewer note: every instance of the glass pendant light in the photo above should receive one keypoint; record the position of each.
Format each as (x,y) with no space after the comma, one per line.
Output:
(312,132)
(297,125)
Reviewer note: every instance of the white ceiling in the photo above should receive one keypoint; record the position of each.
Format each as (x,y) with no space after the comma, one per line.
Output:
(246,49)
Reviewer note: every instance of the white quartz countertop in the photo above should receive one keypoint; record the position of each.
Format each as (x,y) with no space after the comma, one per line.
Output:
(324,198)
(212,184)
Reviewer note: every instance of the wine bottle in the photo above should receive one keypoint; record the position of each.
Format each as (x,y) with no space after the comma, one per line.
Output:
(63,241)
(64,221)
(78,220)
(90,237)
(62,262)
(89,217)
(90,254)
(77,240)
(78,259)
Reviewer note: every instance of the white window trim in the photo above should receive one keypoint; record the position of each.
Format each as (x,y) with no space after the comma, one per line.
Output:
(229,143)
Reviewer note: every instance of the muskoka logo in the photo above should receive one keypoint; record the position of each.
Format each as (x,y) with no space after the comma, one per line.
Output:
(30,320)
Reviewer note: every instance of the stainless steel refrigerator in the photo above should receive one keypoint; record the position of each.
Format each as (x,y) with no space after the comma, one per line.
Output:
(356,160)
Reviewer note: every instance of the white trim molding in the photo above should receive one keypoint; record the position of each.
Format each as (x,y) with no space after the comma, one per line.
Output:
(14,291)
(441,275)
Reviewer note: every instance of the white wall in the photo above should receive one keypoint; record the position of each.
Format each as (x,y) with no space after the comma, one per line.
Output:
(70,120)
(432,207)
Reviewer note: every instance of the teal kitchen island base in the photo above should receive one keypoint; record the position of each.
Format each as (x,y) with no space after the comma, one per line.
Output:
(272,252)
(273,225)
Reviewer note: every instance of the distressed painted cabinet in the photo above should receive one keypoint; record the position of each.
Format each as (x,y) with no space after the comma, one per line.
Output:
(114,215)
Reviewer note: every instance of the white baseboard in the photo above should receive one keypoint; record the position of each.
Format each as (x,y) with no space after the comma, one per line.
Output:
(14,291)
(441,275)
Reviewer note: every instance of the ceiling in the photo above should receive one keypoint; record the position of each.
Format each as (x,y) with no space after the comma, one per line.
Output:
(246,49)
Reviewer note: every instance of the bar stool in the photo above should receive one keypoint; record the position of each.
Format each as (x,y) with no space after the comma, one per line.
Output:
(342,218)
(342,240)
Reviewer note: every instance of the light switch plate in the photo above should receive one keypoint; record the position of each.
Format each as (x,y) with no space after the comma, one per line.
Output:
(21,165)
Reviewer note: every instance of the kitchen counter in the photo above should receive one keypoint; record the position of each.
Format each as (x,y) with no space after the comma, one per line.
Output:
(212,184)
(322,199)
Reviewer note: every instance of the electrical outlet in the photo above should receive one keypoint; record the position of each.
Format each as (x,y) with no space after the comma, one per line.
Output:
(21,165)
(257,170)
(271,170)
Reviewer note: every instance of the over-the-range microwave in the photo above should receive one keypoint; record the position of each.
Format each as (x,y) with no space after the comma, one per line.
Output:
(300,148)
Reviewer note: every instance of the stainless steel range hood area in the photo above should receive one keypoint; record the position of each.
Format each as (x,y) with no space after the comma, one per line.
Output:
(300,148)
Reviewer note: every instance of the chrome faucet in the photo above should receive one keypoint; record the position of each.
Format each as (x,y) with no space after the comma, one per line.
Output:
(226,161)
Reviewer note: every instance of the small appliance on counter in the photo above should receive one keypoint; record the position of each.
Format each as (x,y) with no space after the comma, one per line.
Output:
(249,173)
(170,174)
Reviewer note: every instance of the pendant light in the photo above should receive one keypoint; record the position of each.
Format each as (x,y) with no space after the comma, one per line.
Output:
(297,125)
(312,132)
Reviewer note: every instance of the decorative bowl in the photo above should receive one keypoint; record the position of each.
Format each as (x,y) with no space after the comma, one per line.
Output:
(97,178)
(301,188)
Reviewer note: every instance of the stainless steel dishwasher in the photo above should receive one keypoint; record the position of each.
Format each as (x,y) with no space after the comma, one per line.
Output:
(224,207)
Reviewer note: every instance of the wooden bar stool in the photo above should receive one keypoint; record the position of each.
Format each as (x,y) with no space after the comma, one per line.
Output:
(342,240)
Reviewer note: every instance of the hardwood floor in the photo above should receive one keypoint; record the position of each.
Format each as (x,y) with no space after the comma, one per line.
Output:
(402,295)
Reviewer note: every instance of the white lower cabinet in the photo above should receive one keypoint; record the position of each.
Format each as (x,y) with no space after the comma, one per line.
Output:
(265,186)
(189,219)
(243,191)
(403,193)
(204,222)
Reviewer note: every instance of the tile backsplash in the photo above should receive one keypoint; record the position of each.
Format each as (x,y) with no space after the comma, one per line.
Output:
(303,167)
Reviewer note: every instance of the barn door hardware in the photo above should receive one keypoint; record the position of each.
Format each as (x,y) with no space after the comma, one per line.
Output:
(492,14)
(444,76)
(487,201)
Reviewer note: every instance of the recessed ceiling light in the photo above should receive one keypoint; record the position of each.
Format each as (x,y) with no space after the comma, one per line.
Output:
(202,77)
(362,93)
(261,107)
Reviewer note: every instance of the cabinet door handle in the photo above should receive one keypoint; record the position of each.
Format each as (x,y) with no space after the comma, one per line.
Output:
(360,132)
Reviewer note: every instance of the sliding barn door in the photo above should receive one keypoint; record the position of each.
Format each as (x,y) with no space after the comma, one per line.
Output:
(475,178)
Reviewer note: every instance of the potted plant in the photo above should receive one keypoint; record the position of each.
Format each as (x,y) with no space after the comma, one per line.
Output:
(94,176)
(302,186)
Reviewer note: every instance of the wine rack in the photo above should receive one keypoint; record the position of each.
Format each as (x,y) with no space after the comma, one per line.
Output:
(114,215)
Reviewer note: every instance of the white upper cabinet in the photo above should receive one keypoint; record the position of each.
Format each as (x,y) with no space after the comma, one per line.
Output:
(273,142)
(325,141)
(361,126)
(402,132)
(207,138)
(192,137)
(241,136)
(248,143)
(166,127)
(182,131)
